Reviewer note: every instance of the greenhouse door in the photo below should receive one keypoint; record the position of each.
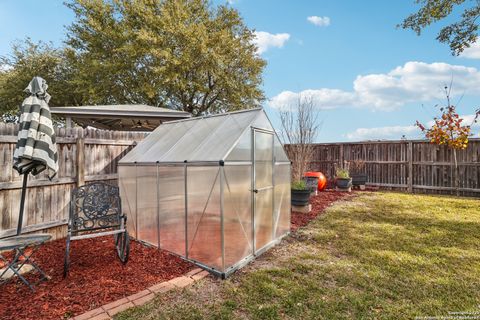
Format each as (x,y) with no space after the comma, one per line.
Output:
(262,188)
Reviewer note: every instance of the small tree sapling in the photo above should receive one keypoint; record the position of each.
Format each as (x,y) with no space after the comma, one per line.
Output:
(449,129)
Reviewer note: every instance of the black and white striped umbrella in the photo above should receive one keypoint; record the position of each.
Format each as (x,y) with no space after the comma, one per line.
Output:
(36,149)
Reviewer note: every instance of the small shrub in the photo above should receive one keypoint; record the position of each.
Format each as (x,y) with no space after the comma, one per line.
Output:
(342,173)
(299,185)
(357,166)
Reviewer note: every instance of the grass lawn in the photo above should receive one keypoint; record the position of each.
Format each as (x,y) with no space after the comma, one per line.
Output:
(379,255)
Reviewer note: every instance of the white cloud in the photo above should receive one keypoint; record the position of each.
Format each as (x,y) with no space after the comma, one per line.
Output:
(413,82)
(323,98)
(264,40)
(319,21)
(473,52)
(396,132)
(469,120)
(384,133)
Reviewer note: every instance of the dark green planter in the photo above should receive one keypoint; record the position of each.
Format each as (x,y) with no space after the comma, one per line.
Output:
(300,197)
(342,183)
(359,179)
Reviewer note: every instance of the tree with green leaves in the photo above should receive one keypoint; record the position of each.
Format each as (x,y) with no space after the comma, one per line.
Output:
(29,59)
(181,54)
(459,34)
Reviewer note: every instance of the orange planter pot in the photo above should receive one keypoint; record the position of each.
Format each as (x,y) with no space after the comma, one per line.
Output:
(322,180)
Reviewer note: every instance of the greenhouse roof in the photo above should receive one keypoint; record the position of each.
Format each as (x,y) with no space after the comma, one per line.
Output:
(209,138)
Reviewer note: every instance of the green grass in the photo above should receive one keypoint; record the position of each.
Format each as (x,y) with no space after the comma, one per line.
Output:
(378,256)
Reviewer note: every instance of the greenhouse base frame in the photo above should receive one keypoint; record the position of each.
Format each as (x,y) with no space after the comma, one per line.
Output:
(240,264)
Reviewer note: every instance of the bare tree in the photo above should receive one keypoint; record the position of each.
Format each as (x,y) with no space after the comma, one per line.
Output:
(300,125)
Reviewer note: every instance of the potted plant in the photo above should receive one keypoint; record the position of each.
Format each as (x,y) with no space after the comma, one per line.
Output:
(300,124)
(312,184)
(343,181)
(300,193)
(357,172)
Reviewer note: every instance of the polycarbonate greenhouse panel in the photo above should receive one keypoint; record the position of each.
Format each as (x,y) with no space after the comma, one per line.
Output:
(171,202)
(187,145)
(263,218)
(280,154)
(262,122)
(220,141)
(204,216)
(160,134)
(263,159)
(127,177)
(161,146)
(282,202)
(147,214)
(243,149)
(237,213)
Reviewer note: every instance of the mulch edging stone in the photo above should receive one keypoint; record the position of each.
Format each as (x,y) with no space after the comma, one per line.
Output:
(140,298)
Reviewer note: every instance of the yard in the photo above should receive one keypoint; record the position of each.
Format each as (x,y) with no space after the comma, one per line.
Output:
(377,255)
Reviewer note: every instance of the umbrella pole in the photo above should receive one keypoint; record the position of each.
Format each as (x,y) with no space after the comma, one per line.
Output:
(22,203)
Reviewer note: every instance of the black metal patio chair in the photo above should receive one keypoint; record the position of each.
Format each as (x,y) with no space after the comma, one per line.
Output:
(95,211)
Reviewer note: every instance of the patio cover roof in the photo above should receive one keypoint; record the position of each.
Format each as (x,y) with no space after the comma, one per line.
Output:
(125,117)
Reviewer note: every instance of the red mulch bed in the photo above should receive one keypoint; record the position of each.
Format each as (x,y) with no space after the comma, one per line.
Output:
(319,203)
(96,277)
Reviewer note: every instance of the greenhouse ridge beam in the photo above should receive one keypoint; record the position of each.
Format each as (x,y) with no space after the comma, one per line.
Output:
(216,115)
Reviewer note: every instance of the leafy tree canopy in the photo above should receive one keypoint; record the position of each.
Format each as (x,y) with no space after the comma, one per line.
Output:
(181,54)
(29,59)
(458,35)
(172,53)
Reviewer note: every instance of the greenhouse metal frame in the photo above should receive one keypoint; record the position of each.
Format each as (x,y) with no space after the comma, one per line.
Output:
(213,190)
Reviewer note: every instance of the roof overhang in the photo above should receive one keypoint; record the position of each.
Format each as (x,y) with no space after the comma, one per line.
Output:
(120,117)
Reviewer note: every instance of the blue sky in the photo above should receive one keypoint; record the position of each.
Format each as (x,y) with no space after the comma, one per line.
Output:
(368,79)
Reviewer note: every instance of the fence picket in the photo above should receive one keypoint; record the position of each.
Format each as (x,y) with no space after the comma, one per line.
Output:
(414,166)
(47,202)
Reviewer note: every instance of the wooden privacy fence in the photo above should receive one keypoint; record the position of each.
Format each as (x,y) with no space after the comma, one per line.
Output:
(414,165)
(84,155)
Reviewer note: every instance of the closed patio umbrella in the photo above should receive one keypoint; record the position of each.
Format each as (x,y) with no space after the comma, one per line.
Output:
(36,150)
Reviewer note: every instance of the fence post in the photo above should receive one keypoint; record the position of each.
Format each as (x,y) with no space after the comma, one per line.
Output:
(410,166)
(80,159)
(341,155)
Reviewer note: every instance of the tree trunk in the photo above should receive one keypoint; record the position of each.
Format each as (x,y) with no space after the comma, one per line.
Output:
(457,174)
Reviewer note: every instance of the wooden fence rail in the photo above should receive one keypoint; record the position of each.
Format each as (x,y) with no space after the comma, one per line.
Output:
(414,166)
(85,155)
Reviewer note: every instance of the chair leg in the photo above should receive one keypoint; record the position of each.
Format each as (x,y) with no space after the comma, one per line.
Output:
(66,262)
(122,243)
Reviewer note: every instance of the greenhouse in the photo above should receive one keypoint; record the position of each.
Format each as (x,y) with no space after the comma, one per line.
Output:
(214,190)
